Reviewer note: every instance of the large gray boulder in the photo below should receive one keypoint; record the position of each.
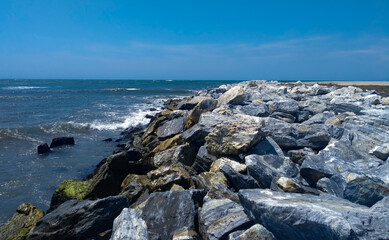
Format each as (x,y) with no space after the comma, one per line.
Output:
(365,191)
(79,220)
(252,109)
(257,232)
(236,95)
(184,154)
(238,180)
(267,146)
(129,225)
(171,128)
(304,216)
(167,212)
(203,160)
(196,135)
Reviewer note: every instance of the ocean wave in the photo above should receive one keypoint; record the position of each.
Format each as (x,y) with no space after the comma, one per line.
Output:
(121,89)
(21,87)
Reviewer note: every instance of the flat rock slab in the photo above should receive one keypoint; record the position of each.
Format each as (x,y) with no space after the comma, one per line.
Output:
(305,216)
(171,128)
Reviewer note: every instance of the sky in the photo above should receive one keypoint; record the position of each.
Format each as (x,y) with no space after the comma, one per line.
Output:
(274,40)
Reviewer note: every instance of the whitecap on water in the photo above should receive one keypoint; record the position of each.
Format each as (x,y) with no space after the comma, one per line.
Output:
(22,87)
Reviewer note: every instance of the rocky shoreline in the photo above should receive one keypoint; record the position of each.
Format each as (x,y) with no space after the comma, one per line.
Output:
(253,160)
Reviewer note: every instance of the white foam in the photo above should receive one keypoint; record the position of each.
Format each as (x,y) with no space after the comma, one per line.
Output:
(22,87)
(122,89)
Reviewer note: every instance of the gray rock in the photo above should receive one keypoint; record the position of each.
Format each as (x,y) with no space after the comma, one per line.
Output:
(334,185)
(297,156)
(196,134)
(171,128)
(252,109)
(203,160)
(56,142)
(347,107)
(365,191)
(287,106)
(320,118)
(205,105)
(234,96)
(167,212)
(302,116)
(219,217)
(79,220)
(184,154)
(166,176)
(237,180)
(221,192)
(286,117)
(267,146)
(206,180)
(382,152)
(264,168)
(305,216)
(129,226)
(257,232)
(185,234)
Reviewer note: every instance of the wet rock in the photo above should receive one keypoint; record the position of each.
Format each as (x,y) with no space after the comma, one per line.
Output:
(129,225)
(165,176)
(204,106)
(171,128)
(79,220)
(184,154)
(365,191)
(43,148)
(257,231)
(167,212)
(21,223)
(237,180)
(267,146)
(219,217)
(133,186)
(196,135)
(219,163)
(69,189)
(56,142)
(305,216)
(265,167)
(234,96)
(203,160)
(207,180)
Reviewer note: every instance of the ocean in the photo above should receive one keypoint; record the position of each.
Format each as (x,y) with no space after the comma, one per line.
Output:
(33,112)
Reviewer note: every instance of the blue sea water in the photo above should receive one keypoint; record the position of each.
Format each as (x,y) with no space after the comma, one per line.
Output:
(35,111)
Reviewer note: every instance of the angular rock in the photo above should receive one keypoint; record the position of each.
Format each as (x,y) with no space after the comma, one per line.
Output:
(167,212)
(221,192)
(129,225)
(171,128)
(252,109)
(286,185)
(21,223)
(196,135)
(265,167)
(236,95)
(43,148)
(165,176)
(297,156)
(287,106)
(185,234)
(133,186)
(219,163)
(381,152)
(204,106)
(79,220)
(267,146)
(207,180)
(305,216)
(219,217)
(257,231)
(184,154)
(334,185)
(237,180)
(347,107)
(203,160)
(286,117)
(56,142)
(169,143)
(69,189)
(365,191)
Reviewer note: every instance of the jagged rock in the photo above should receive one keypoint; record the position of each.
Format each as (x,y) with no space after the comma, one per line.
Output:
(264,168)
(21,223)
(365,191)
(79,220)
(207,180)
(237,180)
(287,106)
(129,225)
(257,231)
(334,185)
(56,142)
(297,156)
(219,217)
(287,185)
(221,192)
(43,148)
(305,216)
(135,185)
(267,146)
(381,152)
(196,134)
(219,163)
(347,107)
(171,128)
(234,137)
(204,106)
(236,95)
(286,117)
(169,143)
(212,119)
(184,154)
(167,212)
(320,118)
(165,176)
(203,160)
(252,109)
(185,234)
(69,189)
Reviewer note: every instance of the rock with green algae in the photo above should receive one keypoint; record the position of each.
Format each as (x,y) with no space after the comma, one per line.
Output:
(69,189)
(18,227)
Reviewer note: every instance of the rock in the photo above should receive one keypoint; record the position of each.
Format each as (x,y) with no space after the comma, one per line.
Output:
(234,96)
(286,117)
(221,192)
(69,189)
(302,116)
(334,185)
(129,225)
(167,212)
(267,146)
(165,176)
(297,156)
(257,231)
(264,168)
(347,107)
(252,109)
(286,185)
(184,154)
(43,148)
(234,137)
(381,152)
(219,163)
(204,106)
(287,106)
(79,220)
(107,140)
(56,142)
(305,216)
(237,180)
(320,118)
(207,180)
(365,191)
(219,217)
(196,135)
(185,234)
(171,128)
(385,101)
(133,186)
(21,223)
(203,160)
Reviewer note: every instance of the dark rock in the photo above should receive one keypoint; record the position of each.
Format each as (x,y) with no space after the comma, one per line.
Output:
(184,154)
(79,220)
(186,234)
(252,109)
(334,185)
(196,135)
(202,107)
(203,160)
(129,225)
(220,217)
(237,180)
(347,107)
(284,184)
(21,223)
(119,140)
(171,128)
(186,105)
(221,192)
(264,168)
(166,176)
(267,146)
(206,180)
(149,116)
(365,191)
(167,212)
(286,117)
(133,186)
(43,148)
(302,116)
(305,216)
(287,106)
(257,232)
(56,142)
(382,152)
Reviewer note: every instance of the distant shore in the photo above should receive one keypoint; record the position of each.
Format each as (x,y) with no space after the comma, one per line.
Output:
(356,83)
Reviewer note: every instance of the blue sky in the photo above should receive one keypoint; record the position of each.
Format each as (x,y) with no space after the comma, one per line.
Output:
(298,40)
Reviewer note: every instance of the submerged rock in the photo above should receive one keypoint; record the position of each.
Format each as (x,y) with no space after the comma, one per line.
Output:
(56,142)
(129,225)
(43,148)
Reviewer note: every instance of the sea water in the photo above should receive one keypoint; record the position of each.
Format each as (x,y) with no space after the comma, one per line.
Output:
(33,112)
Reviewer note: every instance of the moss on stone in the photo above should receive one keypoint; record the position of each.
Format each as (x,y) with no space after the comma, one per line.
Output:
(166,112)
(74,189)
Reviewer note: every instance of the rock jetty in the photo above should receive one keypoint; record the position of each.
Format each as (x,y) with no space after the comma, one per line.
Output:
(253,160)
